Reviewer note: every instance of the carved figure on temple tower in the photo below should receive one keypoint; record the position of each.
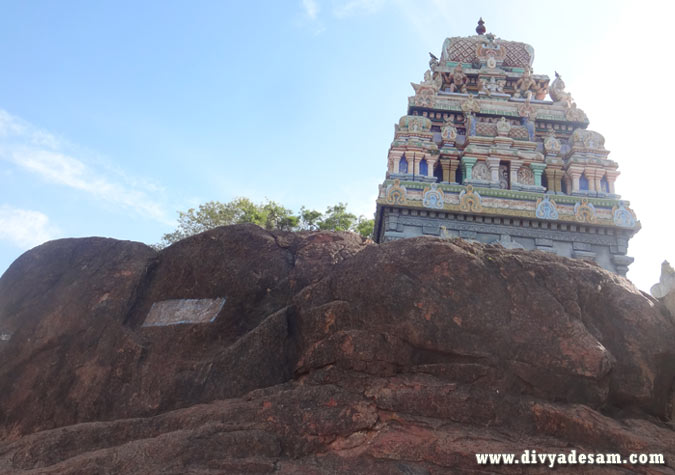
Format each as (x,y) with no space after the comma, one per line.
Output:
(433,80)
(525,176)
(526,110)
(491,86)
(427,89)
(482,86)
(457,79)
(470,106)
(557,91)
(552,145)
(541,89)
(575,114)
(503,177)
(525,84)
(448,132)
(503,127)
(589,139)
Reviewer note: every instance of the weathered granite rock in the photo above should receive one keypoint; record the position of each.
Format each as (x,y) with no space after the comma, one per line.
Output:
(665,289)
(328,356)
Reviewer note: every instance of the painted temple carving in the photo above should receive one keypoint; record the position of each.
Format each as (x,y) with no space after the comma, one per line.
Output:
(484,154)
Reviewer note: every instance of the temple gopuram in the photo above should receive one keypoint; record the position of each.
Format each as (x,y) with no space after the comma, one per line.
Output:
(492,152)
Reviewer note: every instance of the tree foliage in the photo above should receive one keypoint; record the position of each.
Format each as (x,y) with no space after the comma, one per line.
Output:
(269,215)
(365,227)
(310,219)
(337,219)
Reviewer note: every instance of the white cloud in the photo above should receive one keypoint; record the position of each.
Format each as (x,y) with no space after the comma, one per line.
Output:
(357,7)
(25,228)
(56,161)
(10,125)
(310,18)
(311,8)
(341,9)
(13,129)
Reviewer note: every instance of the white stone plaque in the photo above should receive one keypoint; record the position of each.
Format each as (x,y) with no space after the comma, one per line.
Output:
(183,311)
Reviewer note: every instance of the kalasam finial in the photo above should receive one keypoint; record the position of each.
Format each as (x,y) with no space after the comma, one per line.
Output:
(480,29)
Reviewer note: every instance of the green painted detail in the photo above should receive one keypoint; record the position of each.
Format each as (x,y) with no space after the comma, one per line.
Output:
(467,166)
(410,185)
(595,201)
(558,118)
(513,194)
(499,193)
(537,170)
(500,113)
(438,106)
(416,185)
(447,107)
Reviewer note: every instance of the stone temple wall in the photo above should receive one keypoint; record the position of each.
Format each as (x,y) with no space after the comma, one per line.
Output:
(607,247)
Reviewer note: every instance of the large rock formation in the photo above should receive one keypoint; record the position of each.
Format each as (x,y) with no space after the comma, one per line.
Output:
(318,353)
(665,289)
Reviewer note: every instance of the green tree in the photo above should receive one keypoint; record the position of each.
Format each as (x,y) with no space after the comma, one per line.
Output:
(269,215)
(310,219)
(207,216)
(278,217)
(365,227)
(338,219)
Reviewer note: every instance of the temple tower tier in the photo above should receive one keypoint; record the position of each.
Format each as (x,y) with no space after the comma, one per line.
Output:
(483,154)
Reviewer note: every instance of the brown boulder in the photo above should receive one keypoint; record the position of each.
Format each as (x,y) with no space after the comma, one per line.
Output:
(328,356)
(62,307)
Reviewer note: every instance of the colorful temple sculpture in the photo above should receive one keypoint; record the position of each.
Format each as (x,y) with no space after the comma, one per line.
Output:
(483,154)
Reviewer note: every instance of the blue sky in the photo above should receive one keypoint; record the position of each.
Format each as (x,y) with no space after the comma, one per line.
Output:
(114,115)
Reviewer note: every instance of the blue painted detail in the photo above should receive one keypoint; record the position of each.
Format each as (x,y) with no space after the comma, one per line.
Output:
(585,204)
(604,184)
(623,217)
(438,172)
(546,209)
(424,168)
(433,198)
(403,165)
(529,125)
(583,183)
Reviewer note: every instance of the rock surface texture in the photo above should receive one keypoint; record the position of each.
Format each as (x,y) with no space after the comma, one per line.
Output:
(665,289)
(328,355)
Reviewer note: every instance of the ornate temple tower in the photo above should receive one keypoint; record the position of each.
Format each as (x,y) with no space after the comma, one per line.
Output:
(483,154)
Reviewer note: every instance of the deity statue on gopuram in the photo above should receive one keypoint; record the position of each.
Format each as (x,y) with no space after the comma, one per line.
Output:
(493,152)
